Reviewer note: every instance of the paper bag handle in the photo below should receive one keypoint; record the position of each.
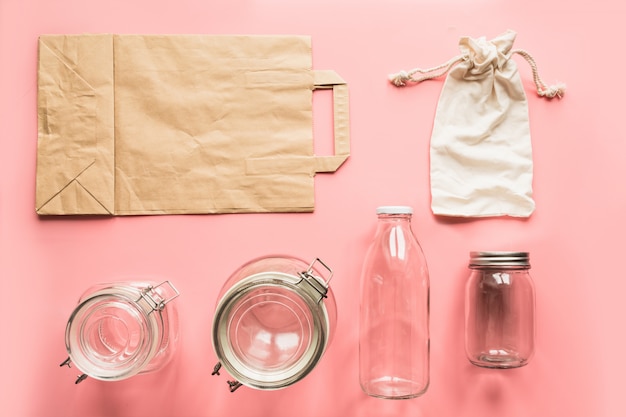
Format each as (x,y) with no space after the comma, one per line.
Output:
(327,79)
(312,164)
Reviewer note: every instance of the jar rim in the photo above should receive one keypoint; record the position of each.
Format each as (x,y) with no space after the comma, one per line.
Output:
(122,302)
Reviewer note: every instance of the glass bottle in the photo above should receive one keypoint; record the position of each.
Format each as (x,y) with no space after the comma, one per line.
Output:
(499,310)
(122,329)
(394,342)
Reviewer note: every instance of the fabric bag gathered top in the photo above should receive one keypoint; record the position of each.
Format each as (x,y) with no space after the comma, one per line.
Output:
(181,124)
(480,150)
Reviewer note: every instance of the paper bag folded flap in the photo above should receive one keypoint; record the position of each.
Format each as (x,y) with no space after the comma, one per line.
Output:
(75,153)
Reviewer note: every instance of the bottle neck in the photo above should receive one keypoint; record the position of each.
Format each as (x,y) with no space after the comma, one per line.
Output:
(392,227)
(394,217)
(394,220)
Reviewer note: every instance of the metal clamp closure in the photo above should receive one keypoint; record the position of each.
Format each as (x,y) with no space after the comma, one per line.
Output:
(233,385)
(317,283)
(156,300)
(68,363)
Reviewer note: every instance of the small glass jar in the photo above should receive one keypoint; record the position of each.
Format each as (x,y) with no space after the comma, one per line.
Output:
(499,310)
(274,319)
(122,329)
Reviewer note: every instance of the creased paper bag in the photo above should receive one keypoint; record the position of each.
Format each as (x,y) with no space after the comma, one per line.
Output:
(148,124)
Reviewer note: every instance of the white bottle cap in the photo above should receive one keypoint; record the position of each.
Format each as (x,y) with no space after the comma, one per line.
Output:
(394,210)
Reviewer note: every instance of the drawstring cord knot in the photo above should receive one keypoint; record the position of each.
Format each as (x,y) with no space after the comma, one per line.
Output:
(399,79)
(556,90)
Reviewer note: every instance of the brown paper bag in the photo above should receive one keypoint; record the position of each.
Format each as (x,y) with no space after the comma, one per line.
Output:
(135,125)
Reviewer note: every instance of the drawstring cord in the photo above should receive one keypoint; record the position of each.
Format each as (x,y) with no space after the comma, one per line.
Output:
(556,90)
(401,78)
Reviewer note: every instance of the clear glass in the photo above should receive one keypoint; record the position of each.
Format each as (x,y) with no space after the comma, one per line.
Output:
(122,329)
(394,341)
(274,319)
(500,314)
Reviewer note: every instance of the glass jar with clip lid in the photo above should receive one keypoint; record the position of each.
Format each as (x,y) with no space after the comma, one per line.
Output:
(274,319)
(122,329)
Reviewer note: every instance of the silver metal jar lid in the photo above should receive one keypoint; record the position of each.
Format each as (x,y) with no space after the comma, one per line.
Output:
(499,258)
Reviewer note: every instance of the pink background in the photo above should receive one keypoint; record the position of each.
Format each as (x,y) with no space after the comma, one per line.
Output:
(575,237)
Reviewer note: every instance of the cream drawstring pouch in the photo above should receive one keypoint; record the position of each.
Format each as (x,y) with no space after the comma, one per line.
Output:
(480,149)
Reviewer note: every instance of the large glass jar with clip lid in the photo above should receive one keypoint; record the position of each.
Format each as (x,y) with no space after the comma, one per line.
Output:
(499,310)
(122,329)
(274,319)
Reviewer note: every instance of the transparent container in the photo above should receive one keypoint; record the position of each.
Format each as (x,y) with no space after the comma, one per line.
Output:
(274,320)
(122,329)
(394,341)
(499,310)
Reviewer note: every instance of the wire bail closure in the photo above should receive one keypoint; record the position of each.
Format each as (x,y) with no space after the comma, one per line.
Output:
(154,299)
(68,362)
(319,284)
